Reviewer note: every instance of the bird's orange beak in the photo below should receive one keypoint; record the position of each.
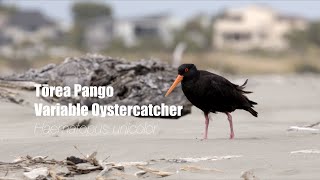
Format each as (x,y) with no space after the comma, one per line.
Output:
(175,83)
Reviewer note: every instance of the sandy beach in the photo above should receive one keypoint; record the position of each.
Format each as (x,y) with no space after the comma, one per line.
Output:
(262,146)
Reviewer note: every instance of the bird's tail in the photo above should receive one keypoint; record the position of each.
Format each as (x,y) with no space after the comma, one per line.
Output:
(250,104)
(241,88)
(252,111)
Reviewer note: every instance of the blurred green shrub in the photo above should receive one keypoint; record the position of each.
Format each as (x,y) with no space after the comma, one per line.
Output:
(302,39)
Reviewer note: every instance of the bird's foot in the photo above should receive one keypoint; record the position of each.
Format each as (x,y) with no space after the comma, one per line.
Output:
(204,138)
(232,136)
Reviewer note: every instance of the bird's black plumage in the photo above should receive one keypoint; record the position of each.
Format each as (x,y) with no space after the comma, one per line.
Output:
(213,93)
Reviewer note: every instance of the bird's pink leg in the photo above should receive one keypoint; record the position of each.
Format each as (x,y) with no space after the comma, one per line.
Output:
(207,124)
(231,125)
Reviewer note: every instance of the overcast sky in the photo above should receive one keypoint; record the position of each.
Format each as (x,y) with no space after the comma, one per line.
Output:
(60,9)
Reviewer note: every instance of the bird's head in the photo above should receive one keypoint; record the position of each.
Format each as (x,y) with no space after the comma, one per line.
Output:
(185,71)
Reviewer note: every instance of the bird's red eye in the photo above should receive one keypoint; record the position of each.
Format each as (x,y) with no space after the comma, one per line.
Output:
(186,70)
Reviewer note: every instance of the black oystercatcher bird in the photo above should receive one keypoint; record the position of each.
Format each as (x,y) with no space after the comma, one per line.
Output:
(212,93)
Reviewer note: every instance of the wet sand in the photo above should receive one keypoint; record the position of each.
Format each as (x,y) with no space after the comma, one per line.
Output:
(263,144)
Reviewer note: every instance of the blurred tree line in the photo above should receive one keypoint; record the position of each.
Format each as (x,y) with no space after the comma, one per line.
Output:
(302,40)
(196,36)
(82,13)
(6,9)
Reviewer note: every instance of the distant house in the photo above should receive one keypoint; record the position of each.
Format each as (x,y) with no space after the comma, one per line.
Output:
(29,26)
(254,27)
(25,34)
(3,38)
(3,19)
(100,31)
(161,26)
(124,30)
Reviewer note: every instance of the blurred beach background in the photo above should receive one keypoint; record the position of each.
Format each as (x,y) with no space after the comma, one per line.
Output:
(235,37)
(274,44)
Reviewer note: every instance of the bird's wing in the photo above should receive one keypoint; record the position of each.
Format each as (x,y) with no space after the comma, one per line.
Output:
(223,96)
(223,88)
(225,93)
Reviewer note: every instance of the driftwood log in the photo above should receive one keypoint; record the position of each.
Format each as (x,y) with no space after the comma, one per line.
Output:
(140,82)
